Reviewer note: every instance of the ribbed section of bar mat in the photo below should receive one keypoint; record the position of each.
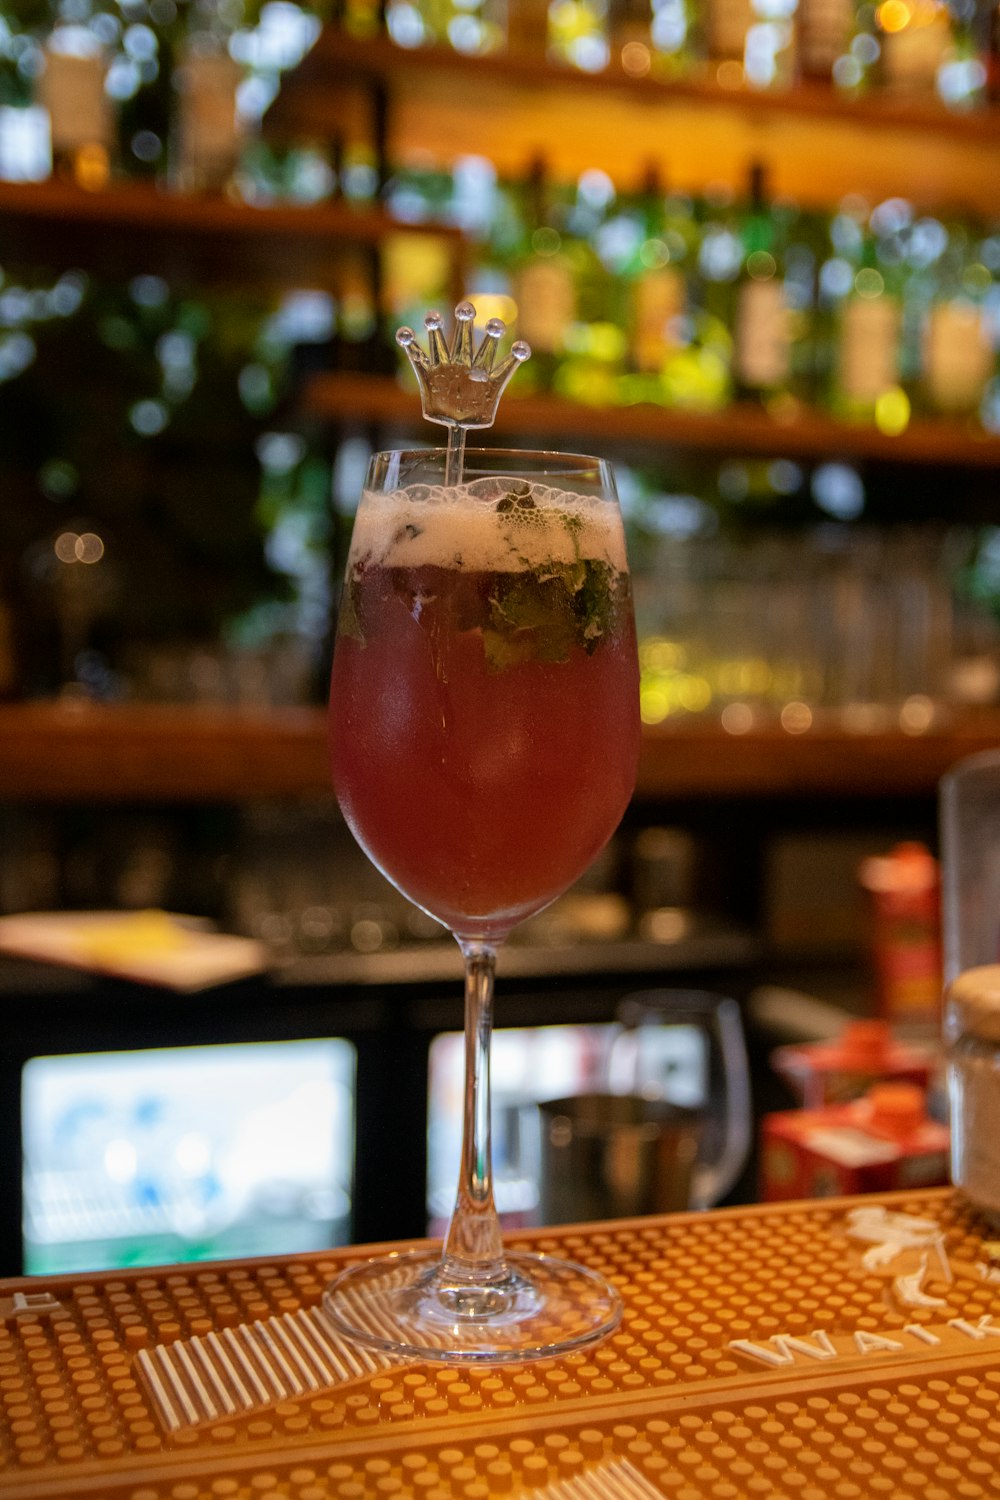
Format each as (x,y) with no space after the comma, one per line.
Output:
(617,1480)
(237,1370)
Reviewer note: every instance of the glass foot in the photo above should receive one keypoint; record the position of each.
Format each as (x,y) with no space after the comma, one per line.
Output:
(408,1304)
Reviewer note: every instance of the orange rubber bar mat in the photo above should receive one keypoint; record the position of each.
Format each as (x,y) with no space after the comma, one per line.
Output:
(821,1350)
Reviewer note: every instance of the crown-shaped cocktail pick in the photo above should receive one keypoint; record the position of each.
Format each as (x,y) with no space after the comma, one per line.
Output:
(461,387)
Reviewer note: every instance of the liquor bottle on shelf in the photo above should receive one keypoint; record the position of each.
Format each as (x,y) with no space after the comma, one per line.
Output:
(726,23)
(654,233)
(542,281)
(629,35)
(208,130)
(963,79)
(915,43)
(475,27)
(957,358)
(657,286)
(146,97)
(527,27)
(359,18)
(988,31)
(81,117)
(578,34)
(654,38)
(864,297)
(762,328)
(770,51)
(595,339)
(824,36)
(717,264)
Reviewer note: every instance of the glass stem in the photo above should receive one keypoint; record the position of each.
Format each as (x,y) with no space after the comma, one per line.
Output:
(473,1249)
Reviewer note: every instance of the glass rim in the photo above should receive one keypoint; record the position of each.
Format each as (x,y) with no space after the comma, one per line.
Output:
(552,460)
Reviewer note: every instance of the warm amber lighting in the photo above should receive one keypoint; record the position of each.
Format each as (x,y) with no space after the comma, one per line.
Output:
(796,718)
(693,693)
(668,924)
(493,305)
(894,15)
(71,548)
(660,655)
(654,704)
(89,547)
(917,714)
(92,168)
(892,412)
(636,61)
(737,718)
(750,675)
(729,75)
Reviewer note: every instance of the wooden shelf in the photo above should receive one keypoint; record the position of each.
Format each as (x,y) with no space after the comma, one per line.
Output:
(128,228)
(701,760)
(335,55)
(68,752)
(508,107)
(349,399)
(64,753)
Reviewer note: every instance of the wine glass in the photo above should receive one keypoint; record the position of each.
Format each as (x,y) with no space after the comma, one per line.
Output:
(484,734)
(685,1050)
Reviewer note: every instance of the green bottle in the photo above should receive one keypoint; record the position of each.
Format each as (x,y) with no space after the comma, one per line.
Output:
(595,340)
(542,280)
(955,350)
(866,365)
(762,327)
(650,246)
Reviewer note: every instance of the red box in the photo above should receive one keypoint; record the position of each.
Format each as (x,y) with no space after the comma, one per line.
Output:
(904,900)
(864,1054)
(878,1143)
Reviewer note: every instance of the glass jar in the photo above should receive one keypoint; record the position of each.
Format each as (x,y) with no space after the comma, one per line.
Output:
(972,1033)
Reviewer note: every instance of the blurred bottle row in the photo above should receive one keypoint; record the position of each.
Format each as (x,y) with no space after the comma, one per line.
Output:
(761,582)
(166,89)
(931,48)
(643,294)
(649,295)
(174,89)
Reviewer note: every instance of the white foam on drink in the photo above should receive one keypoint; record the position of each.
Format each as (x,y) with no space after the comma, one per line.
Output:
(461,527)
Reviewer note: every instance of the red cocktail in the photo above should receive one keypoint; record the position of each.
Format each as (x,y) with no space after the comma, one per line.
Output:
(481,776)
(484,739)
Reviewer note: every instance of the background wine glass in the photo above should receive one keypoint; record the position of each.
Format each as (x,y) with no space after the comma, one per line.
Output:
(686,1048)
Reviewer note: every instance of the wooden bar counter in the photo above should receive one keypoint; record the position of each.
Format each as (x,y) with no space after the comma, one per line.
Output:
(820,1350)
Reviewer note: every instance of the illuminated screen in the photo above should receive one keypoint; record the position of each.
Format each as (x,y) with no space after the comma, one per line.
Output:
(186,1154)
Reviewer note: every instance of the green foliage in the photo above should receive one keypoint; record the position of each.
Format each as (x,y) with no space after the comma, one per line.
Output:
(129,423)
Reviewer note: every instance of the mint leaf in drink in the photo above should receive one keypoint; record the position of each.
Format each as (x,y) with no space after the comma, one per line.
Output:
(597,601)
(542,615)
(530,620)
